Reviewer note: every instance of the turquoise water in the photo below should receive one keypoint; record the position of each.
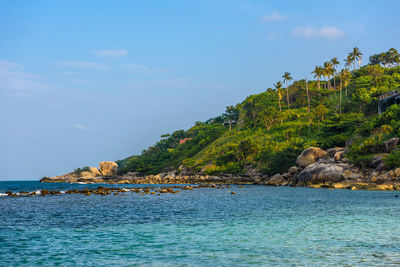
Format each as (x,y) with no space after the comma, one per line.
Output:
(258,225)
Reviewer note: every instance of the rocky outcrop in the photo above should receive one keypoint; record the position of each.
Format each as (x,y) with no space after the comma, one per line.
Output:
(320,172)
(391,144)
(108,168)
(310,155)
(94,171)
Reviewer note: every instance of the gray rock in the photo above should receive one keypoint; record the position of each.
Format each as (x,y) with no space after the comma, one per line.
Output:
(310,155)
(292,170)
(322,173)
(333,151)
(276,179)
(391,144)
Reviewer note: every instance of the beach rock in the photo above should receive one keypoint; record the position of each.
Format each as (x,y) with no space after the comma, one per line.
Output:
(321,173)
(346,174)
(86,175)
(397,172)
(310,155)
(333,151)
(108,168)
(276,179)
(94,171)
(292,170)
(339,155)
(391,144)
(376,161)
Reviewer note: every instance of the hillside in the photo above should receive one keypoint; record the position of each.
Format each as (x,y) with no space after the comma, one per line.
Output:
(267,131)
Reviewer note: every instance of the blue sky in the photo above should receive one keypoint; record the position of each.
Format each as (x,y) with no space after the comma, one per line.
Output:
(86,81)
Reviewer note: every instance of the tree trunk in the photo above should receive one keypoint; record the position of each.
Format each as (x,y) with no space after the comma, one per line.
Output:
(340,99)
(230,124)
(287,94)
(334,82)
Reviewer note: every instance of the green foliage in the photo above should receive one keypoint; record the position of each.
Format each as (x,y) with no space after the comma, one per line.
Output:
(263,133)
(80,170)
(393,159)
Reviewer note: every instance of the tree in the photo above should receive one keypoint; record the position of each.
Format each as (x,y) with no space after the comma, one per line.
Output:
(318,73)
(334,62)
(278,88)
(345,77)
(286,78)
(348,61)
(231,114)
(357,56)
(327,71)
(320,112)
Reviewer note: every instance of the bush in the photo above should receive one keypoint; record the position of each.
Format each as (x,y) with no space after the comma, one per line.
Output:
(393,159)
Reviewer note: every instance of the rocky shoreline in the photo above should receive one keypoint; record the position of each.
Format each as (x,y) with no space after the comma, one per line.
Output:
(314,168)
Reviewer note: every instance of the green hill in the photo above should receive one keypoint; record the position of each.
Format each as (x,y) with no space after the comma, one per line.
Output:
(267,133)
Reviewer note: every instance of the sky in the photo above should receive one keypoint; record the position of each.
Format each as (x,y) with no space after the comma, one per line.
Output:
(89,81)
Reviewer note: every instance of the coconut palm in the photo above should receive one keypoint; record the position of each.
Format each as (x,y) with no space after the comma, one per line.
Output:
(278,88)
(348,61)
(286,78)
(345,77)
(318,73)
(327,69)
(334,62)
(357,56)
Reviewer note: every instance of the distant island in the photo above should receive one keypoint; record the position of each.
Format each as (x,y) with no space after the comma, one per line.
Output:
(340,130)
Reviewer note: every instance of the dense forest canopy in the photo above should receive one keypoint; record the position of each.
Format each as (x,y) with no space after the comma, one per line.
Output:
(268,130)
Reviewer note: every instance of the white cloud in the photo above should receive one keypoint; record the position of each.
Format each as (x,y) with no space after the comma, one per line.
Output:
(143,68)
(80,126)
(275,16)
(82,65)
(13,79)
(112,53)
(323,32)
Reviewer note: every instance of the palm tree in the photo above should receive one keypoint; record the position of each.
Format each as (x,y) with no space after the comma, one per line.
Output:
(286,78)
(278,88)
(348,61)
(334,62)
(345,76)
(327,71)
(318,72)
(357,56)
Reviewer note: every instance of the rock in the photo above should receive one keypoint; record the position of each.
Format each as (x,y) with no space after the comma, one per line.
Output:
(339,186)
(86,175)
(354,176)
(333,151)
(380,167)
(397,172)
(339,155)
(346,174)
(287,175)
(321,173)
(108,168)
(376,161)
(292,170)
(94,171)
(391,144)
(384,187)
(276,179)
(310,155)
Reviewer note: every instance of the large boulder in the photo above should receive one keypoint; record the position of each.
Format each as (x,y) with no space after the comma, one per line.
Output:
(108,168)
(86,175)
(276,179)
(320,172)
(391,144)
(94,171)
(310,155)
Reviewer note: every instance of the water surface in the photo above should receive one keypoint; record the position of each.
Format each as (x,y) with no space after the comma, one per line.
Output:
(258,225)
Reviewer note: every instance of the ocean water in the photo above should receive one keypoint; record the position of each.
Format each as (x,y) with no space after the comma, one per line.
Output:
(259,225)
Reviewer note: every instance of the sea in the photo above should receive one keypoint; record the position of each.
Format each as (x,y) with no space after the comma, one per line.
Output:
(256,226)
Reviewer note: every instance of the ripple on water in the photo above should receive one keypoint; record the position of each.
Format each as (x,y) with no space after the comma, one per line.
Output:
(258,225)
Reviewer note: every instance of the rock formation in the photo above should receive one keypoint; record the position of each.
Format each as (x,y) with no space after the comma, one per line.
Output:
(108,168)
